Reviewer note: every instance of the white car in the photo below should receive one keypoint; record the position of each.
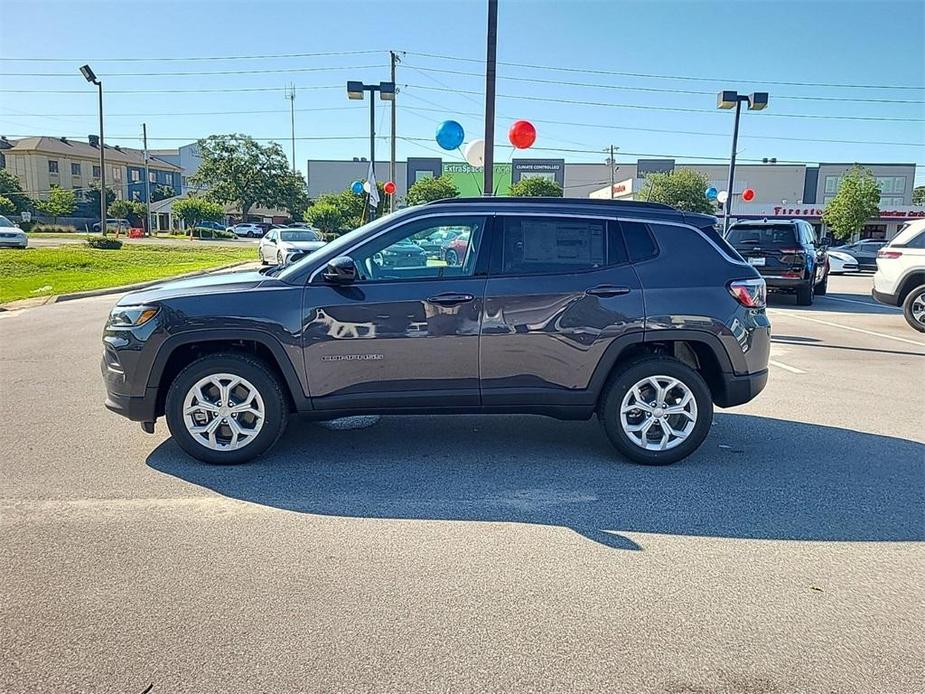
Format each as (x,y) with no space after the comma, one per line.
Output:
(900,276)
(248,230)
(11,236)
(840,263)
(282,246)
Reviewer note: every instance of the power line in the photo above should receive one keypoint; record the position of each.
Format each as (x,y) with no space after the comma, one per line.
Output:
(660,90)
(444,110)
(595,71)
(667,108)
(183,113)
(190,58)
(106,75)
(164,91)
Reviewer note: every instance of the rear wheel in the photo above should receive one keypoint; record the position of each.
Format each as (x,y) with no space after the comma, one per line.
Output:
(656,411)
(806,294)
(914,308)
(226,408)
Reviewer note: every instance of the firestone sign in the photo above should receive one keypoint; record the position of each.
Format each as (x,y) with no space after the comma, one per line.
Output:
(910,212)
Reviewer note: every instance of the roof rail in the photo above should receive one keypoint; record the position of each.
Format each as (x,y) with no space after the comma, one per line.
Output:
(557,201)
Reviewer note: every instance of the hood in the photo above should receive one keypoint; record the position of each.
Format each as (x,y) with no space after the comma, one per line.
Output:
(203,284)
(302,245)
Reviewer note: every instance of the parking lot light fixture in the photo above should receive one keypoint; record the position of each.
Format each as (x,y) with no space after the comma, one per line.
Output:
(91,77)
(727,100)
(356,90)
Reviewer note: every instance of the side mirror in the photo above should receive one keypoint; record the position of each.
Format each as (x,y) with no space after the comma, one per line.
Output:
(341,270)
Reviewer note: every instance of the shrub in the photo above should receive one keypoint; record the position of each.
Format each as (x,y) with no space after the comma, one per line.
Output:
(27,226)
(38,227)
(104,243)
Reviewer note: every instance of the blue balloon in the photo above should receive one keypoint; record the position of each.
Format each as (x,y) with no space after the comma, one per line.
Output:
(357,187)
(711,193)
(450,135)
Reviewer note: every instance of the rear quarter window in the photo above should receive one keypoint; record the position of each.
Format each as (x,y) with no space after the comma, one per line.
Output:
(640,244)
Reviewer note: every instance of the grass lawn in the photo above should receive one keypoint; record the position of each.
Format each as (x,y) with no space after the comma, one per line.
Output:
(43,271)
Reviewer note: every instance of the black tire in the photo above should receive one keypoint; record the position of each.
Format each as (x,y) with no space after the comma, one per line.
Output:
(279,258)
(917,294)
(250,368)
(823,287)
(635,371)
(806,294)
(452,257)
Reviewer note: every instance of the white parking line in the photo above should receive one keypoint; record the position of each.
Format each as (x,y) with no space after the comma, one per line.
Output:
(786,367)
(855,330)
(863,303)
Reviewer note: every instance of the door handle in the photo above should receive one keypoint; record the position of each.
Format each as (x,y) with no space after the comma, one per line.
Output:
(449,299)
(607,290)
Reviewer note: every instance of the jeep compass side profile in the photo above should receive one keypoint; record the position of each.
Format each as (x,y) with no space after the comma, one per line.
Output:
(635,312)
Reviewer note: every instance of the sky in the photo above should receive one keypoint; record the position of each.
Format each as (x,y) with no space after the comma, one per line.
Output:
(641,76)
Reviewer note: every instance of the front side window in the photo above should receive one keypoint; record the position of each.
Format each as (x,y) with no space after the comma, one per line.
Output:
(532,245)
(397,254)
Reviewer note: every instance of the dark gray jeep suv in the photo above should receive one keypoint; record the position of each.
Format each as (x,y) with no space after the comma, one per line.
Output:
(635,312)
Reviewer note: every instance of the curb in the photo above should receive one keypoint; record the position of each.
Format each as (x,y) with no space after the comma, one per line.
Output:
(58,298)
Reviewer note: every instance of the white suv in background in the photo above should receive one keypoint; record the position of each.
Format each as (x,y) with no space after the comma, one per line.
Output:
(900,276)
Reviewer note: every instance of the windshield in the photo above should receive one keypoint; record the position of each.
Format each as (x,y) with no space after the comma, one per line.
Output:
(4,222)
(763,235)
(298,235)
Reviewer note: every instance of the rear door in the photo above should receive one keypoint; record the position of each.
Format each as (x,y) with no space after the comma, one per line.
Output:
(560,291)
(775,250)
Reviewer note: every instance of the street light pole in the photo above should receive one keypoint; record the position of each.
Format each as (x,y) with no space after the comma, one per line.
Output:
(757,101)
(91,77)
(395,61)
(144,138)
(356,90)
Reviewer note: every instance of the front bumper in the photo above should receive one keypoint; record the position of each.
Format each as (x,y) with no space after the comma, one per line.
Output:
(13,243)
(736,390)
(137,409)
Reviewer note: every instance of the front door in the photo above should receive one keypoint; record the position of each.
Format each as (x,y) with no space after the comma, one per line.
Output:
(560,292)
(406,333)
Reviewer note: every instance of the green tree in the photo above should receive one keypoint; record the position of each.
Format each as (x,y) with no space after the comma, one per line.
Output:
(430,189)
(918,195)
(857,200)
(131,210)
(352,207)
(536,187)
(92,196)
(684,189)
(294,195)
(6,205)
(237,170)
(59,203)
(195,210)
(325,216)
(11,189)
(162,192)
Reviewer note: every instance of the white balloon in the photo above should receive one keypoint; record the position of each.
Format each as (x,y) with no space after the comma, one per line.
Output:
(475,153)
(366,186)
(722,196)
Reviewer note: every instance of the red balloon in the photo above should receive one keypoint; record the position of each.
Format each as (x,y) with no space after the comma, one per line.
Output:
(522,134)
(389,187)
(748,195)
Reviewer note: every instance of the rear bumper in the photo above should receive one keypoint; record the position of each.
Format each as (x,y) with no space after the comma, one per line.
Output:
(736,390)
(885,298)
(784,282)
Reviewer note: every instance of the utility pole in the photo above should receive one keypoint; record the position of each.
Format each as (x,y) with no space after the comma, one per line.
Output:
(613,168)
(395,61)
(490,66)
(290,94)
(144,139)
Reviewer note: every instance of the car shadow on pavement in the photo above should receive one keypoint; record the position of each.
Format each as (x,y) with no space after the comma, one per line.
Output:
(832,303)
(754,478)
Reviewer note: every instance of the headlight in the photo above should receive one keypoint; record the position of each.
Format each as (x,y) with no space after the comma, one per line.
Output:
(131,316)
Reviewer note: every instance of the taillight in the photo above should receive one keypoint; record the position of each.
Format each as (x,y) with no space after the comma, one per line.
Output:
(889,255)
(750,293)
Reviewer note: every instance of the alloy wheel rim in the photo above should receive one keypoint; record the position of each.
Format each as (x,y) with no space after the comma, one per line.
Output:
(918,309)
(658,413)
(223,412)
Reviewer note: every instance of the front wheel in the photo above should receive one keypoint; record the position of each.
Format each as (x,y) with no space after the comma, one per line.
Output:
(823,287)
(226,408)
(914,308)
(656,411)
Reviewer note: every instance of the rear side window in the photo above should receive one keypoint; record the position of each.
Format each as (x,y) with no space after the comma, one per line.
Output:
(532,245)
(711,233)
(763,235)
(639,242)
(916,241)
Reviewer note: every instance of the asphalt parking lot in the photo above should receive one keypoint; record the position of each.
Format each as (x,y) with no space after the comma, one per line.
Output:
(472,554)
